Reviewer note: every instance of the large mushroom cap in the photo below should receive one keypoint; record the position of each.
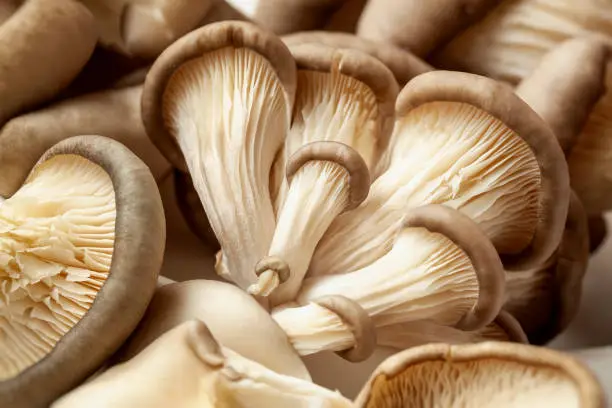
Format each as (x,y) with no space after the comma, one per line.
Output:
(491,374)
(403,64)
(233,317)
(81,245)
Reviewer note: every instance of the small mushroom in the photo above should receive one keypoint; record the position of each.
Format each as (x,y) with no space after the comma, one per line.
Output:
(470,143)
(546,299)
(234,318)
(489,374)
(43,46)
(341,124)
(189,367)
(218,103)
(417,26)
(403,64)
(115,113)
(504,328)
(566,85)
(81,245)
(441,268)
(145,28)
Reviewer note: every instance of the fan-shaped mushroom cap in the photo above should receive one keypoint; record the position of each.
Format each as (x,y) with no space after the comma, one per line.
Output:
(234,317)
(417,26)
(402,336)
(490,374)
(403,64)
(470,143)
(253,71)
(187,367)
(555,288)
(82,245)
(44,45)
(115,113)
(565,86)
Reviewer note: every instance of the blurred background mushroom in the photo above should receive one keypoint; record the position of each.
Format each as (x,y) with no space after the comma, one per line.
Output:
(81,246)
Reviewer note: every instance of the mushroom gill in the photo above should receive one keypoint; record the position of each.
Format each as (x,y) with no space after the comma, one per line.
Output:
(441,269)
(218,103)
(56,244)
(490,374)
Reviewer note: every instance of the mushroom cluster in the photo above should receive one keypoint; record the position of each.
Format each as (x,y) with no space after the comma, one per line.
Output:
(356,197)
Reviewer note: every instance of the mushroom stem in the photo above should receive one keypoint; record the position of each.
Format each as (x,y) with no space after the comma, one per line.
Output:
(403,336)
(326,179)
(566,85)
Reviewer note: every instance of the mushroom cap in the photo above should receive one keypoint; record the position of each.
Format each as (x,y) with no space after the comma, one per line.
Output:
(437,362)
(403,64)
(120,304)
(512,327)
(190,206)
(115,113)
(360,66)
(234,317)
(598,231)
(345,156)
(421,27)
(359,323)
(285,16)
(466,234)
(193,45)
(566,85)
(500,101)
(44,45)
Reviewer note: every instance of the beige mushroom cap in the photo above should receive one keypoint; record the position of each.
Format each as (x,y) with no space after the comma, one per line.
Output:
(121,303)
(403,64)
(501,102)
(43,46)
(485,374)
(234,318)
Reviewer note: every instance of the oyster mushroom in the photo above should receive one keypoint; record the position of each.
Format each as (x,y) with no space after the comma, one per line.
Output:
(228,152)
(211,375)
(554,288)
(403,64)
(489,374)
(81,245)
(114,112)
(7,8)
(245,327)
(417,26)
(441,268)
(470,143)
(341,124)
(145,28)
(43,46)
(504,328)
(598,232)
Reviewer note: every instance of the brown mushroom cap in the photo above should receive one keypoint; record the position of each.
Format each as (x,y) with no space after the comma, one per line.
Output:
(421,27)
(359,323)
(234,317)
(511,327)
(480,375)
(43,46)
(499,100)
(566,85)
(339,153)
(121,303)
(193,45)
(598,232)
(286,16)
(7,8)
(403,64)
(461,230)
(115,113)
(360,66)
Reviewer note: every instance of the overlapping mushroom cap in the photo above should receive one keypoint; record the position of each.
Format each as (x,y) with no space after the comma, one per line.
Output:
(460,173)
(81,244)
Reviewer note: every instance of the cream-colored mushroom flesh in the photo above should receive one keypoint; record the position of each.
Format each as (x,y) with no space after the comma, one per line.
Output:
(485,382)
(185,367)
(229,115)
(441,153)
(424,277)
(56,244)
